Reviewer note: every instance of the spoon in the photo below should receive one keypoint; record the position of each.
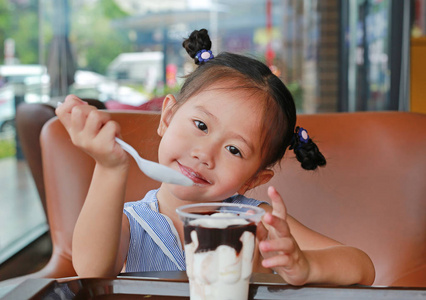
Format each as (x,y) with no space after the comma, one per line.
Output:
(155,170)
(152,169)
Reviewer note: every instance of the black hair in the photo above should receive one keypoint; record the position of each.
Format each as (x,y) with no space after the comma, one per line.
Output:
(279,116)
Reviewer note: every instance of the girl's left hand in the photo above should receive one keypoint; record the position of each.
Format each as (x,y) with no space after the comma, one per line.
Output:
(278,247)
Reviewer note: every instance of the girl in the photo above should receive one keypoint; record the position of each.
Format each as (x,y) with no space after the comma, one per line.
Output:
(231,122)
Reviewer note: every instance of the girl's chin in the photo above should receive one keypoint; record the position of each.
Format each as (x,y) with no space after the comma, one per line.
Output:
(188,194)
(184,193)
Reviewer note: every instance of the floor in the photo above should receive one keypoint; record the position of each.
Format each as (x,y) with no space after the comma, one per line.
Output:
(24,242)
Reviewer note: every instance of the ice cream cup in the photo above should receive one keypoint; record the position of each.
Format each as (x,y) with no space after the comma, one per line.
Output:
(220,240)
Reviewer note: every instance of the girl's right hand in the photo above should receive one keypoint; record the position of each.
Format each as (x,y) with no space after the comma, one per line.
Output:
(93,131)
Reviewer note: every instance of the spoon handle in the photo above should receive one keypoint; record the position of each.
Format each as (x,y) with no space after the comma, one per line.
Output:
(155,170)
(129,149)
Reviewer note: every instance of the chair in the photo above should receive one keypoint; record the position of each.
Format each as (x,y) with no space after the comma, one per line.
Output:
(30,119)
(370,195)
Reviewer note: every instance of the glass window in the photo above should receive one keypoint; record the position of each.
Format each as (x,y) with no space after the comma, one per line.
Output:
(130,51)
(22,79)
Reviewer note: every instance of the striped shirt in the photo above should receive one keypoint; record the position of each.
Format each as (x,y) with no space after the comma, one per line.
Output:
(154,241)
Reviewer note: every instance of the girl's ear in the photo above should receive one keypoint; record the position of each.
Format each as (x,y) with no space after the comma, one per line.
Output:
(260,178)
(166,114)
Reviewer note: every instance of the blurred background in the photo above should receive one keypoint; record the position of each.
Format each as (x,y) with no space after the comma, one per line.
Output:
(334,55)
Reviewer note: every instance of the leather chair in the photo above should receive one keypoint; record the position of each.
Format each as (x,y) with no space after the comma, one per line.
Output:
(30,119)
(370,195)
(372,192)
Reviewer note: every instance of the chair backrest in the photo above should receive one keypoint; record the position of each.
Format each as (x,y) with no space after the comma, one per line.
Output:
(30,119)
(67,176)
(372,192)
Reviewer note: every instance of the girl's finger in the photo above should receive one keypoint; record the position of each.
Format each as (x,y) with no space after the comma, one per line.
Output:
(261,232)
(63,111)
(96,120)
(278,206)
(277,261)
(277,225)
(79,116)
(283,246)
(107,134)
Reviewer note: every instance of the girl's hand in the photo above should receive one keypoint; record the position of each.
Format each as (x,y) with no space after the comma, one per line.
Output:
(278,247)
(93,131)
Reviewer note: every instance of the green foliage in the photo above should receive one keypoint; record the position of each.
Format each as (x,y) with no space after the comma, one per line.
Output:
(26,37)
(20,23)
(5,24)
(94,39)
(7,148)
(297,92)
(111,10)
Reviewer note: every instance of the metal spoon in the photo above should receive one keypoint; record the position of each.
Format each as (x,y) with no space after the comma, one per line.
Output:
(155,170)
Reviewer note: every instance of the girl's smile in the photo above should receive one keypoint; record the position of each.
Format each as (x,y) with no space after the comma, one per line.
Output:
(197,178)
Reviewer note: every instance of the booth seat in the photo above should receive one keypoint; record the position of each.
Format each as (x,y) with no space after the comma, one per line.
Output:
(371,194)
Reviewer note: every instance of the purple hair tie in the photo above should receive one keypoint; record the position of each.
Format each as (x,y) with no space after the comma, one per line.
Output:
(300,137)
(303,135)
(204,55)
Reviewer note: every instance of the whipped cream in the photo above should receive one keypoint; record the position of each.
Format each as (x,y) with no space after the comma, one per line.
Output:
(219,220)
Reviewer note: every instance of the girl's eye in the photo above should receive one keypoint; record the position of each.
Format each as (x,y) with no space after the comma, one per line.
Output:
(200,125)
(234,150)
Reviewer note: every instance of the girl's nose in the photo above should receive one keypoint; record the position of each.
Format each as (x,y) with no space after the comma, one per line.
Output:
(204,154)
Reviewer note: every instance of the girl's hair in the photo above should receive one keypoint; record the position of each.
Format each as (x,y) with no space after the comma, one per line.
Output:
(242,72)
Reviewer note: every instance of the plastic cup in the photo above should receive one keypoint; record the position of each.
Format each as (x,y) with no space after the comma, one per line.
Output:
(219,248)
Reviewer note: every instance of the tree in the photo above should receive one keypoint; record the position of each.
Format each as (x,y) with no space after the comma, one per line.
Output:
(19,21)
(5,24)
(95,41)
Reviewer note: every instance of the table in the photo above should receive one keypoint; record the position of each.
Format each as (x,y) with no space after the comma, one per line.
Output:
(174,285)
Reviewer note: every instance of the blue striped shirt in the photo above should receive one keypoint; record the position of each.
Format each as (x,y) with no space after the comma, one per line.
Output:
(154,241)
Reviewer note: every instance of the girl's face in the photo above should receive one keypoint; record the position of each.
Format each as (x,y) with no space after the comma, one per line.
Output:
(214,139)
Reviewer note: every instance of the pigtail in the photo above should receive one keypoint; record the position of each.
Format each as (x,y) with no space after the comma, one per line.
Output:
(198,46)
(307,152)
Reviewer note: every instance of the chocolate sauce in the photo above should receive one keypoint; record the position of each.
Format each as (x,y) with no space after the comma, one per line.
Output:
(211,238)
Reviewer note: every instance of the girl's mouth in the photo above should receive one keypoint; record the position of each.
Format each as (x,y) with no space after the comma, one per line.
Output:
(197,178)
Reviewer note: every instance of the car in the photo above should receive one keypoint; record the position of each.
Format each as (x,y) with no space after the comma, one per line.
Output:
(35,83)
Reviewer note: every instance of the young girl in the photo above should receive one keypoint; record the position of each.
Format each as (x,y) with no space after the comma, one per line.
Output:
(231,122)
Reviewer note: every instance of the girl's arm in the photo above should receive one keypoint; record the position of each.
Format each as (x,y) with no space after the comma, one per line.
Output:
(302,256)
(101,234)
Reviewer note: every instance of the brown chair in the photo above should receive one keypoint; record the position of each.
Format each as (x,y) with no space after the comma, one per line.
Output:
(30,119)
(370,195)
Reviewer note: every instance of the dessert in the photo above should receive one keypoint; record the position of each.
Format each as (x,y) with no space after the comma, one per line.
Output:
(219,255)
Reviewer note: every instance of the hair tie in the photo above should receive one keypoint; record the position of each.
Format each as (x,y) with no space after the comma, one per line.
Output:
(300,137)
(302,134)
(204,55)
